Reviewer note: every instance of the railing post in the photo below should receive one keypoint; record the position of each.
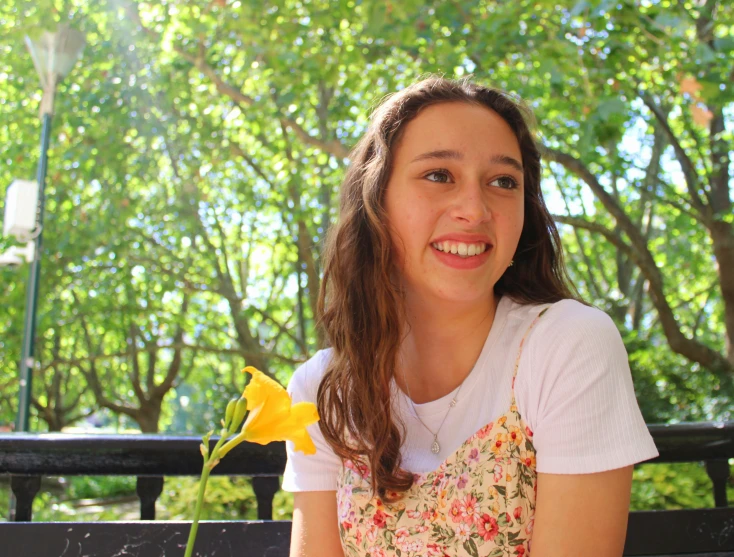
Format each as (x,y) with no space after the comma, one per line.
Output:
(148,489)
(718,471)
(24,489)
(265,488)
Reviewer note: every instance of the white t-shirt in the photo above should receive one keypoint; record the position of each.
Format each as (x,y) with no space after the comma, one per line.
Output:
(573,389)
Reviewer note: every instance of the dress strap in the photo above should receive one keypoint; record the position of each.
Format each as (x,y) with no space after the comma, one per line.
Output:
(519,353)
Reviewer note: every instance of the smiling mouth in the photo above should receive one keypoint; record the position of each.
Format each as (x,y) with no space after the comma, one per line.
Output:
(461,249)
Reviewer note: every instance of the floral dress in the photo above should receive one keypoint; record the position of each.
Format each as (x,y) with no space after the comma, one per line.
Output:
(480,501)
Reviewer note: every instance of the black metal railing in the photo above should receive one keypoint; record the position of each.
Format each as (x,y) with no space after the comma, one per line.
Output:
(28,457)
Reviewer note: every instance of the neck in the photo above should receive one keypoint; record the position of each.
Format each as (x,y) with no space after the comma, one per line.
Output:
(442,344)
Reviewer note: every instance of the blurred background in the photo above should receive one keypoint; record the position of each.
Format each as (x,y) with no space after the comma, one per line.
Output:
(195,159)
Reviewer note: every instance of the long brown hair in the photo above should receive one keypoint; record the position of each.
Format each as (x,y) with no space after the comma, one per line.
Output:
(360,307)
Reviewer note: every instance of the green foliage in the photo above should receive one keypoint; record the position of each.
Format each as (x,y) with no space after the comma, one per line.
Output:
(283,505)
(227,498)
(91,487)
(671,390)
(197,152)
(4,501)
(683,485)
(86,498)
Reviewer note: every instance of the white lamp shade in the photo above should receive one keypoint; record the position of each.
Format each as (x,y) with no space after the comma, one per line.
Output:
(54,54)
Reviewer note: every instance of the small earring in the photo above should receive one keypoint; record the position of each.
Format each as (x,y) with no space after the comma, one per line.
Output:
(512,262)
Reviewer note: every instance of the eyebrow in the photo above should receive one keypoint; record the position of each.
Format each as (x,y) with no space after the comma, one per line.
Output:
(456,155)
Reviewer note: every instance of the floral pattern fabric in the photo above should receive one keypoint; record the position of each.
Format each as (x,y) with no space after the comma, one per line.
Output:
(479,502)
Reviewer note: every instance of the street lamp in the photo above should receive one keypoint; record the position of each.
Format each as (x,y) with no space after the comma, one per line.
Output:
(54,54)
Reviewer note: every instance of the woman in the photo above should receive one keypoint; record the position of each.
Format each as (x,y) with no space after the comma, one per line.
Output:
(470,405)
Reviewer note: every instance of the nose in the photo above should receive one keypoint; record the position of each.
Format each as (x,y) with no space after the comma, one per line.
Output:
(470,204)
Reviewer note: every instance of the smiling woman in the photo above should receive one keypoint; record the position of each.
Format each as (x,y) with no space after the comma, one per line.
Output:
(477,204)
(470,404)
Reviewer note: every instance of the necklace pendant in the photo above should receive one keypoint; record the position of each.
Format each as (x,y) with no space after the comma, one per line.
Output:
(434,447)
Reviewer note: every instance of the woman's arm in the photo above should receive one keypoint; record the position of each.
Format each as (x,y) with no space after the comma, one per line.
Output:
(582,514)
(315,530)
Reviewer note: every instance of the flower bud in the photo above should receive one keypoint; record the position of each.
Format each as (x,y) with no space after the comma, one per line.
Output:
(229,413)
(240,410)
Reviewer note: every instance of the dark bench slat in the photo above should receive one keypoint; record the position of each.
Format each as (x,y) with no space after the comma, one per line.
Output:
(689,533)
(144,539)
(682,532)
(58,454)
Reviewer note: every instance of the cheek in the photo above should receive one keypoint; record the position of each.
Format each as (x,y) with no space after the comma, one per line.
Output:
(518,220)
(511,223)
(519,225)
(415,218)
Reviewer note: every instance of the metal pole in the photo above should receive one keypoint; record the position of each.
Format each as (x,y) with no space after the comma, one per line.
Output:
(27,361)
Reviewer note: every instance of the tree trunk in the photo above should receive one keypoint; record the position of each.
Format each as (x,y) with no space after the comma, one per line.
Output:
(722,236)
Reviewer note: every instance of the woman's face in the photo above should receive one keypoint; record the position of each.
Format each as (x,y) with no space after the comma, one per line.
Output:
(455,202)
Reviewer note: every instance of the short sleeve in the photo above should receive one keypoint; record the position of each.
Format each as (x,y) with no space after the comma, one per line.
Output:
(316,472)
(586,414)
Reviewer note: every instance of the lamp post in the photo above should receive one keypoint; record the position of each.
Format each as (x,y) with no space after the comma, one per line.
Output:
(54,54)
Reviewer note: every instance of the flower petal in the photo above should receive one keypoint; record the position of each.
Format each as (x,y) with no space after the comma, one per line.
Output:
(272,415)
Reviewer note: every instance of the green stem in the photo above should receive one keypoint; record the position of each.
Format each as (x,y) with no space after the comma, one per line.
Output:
(209,463)
(197,511)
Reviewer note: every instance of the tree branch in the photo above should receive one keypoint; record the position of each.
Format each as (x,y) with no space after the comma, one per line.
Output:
(638,252)
(333,147)
(135,362)
(300,343)
(78,362)
(689,170)
(160,390)
(589,267)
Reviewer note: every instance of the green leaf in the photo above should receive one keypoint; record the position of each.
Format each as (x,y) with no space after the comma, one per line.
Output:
(471,547)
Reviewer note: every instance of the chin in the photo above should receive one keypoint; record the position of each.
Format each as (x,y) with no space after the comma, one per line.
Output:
(458,295)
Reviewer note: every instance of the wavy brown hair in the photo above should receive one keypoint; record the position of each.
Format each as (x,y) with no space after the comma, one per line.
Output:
(361,308)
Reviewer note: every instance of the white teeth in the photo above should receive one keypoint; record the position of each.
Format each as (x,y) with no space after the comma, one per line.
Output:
(461,249)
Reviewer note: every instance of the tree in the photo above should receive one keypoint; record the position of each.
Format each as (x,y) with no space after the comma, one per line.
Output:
(198,150)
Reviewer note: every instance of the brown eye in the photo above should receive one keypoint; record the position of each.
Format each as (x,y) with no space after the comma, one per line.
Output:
(442,174)
(505,182)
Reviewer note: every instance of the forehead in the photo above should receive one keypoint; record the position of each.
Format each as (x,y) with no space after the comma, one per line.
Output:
(475,130)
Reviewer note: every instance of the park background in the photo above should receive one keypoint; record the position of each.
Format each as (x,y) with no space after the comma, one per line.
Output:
(196,154)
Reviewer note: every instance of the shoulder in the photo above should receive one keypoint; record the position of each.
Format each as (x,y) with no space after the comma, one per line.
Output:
(304,383)
(571,334)
(565,324)
(569,315)
(572,320)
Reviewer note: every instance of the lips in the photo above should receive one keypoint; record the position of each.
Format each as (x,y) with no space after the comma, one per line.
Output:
(456,261)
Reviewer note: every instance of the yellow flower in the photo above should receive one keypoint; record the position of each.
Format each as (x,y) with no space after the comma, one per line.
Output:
(528,459)
(495,509)
(498,445)
(273,416)
(516,435)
